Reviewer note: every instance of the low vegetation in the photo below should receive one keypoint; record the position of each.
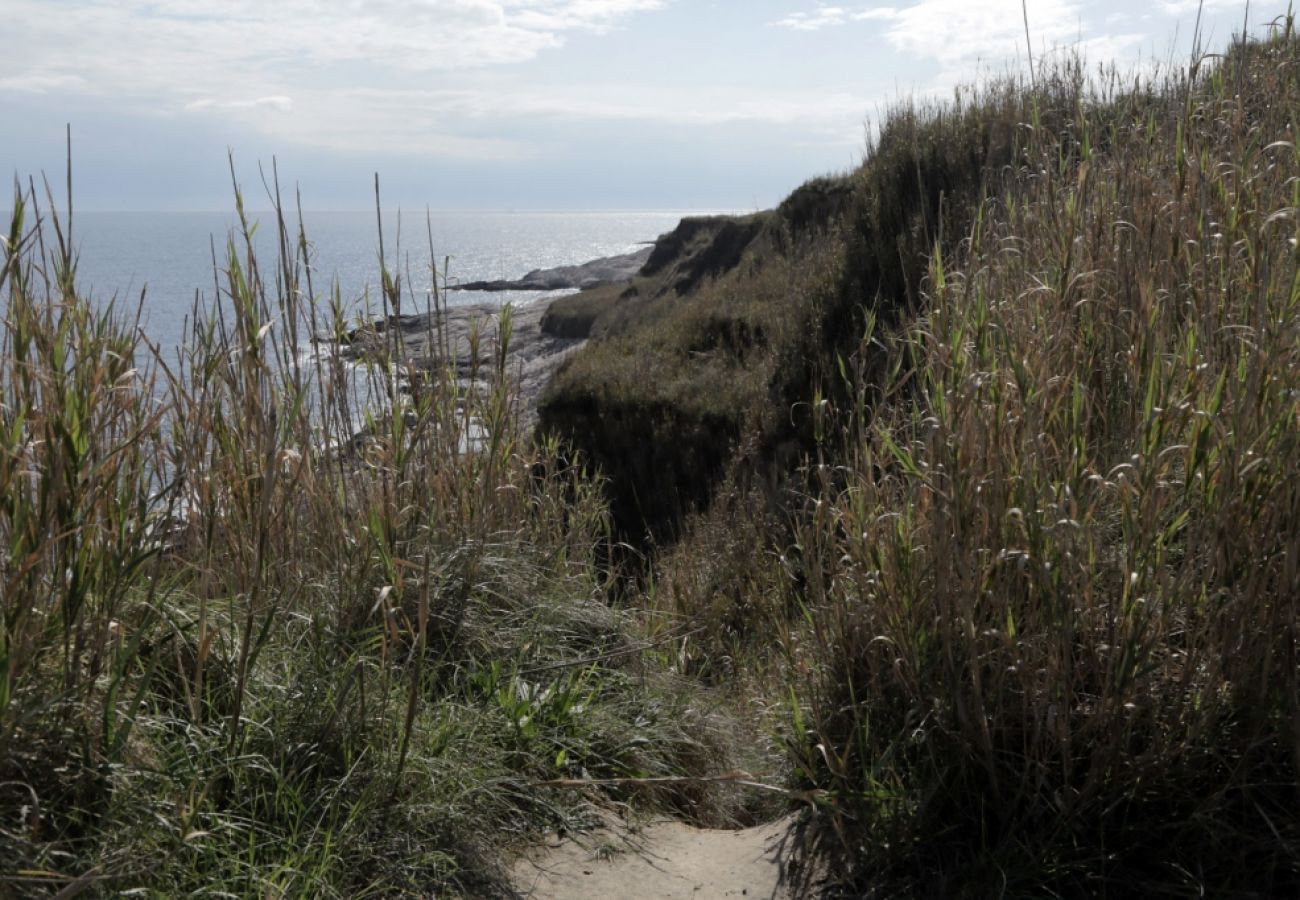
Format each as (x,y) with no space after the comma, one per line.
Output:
(267,633)
(970,475)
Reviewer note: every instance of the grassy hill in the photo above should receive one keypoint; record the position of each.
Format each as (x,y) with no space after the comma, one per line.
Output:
(964,486)
(1032,579)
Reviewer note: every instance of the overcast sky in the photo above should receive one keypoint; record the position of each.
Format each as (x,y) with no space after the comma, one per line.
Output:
(511,104)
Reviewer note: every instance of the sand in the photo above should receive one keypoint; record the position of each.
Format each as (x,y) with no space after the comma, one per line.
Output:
(664,860)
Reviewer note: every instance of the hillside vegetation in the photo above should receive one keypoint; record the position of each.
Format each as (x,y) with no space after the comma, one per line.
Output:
(959,494)
(267,633)
(1033,586)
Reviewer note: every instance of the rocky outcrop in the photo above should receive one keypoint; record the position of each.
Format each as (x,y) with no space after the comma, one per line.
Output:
(711,351)
(608,270)
(436,342)
(700,248)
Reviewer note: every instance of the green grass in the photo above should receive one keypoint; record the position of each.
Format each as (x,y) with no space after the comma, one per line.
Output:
(689,359)
(263,636)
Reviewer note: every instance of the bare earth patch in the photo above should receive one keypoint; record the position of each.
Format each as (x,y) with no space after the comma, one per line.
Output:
(664,860)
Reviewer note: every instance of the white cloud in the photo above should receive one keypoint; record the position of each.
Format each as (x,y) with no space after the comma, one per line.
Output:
(827,16)
(40,83)
(704,106)
(414,121)
(277,103)
(1108,46)
(255,61)
(941,44)
(959,32)
(955,30)
(821,17)
(1186,7)
(878,12)
(962,37)
(138,44)
(406,77)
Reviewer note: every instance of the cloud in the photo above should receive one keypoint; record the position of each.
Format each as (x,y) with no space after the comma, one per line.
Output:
(877,12)
(962,36)
(137,44)
(40,83)
(277,103)
(254,62)
(958,32)
(821,17)
(413,77)
(468,123)
(826,16)
(705,106)
(1190,7)
(953,30)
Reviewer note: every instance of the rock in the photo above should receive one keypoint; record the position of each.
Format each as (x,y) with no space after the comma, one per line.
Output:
(435,342)
(378,326)
(610,270)
(438,341)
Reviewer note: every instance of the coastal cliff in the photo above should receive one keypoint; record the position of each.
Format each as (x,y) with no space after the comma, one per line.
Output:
(951,505)
(717,343)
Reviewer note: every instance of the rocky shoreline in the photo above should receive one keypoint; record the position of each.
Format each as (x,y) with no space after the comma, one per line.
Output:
(467,336)
(596,273)
(546,331)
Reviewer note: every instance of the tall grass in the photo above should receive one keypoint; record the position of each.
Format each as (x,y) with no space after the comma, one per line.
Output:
(323,628)
(265,634)
(1049,569)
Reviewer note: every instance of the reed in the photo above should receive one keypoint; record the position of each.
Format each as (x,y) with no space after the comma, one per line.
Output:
(281,626)
(1049,563)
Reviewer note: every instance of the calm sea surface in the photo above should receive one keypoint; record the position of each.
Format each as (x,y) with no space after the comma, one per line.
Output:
(168,256)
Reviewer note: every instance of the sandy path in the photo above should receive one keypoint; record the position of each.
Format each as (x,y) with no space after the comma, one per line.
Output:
(662,861)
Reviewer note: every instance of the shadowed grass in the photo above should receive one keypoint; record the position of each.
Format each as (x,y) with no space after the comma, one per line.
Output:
(1050,582)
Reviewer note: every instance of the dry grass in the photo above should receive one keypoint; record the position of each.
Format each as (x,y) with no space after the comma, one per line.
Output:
(274,627)
(1031,598)
(991,447)
(1050,569)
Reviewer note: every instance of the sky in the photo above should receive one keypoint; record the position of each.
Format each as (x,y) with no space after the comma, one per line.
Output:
(514,104)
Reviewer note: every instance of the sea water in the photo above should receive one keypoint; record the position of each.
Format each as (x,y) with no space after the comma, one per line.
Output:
(164,261)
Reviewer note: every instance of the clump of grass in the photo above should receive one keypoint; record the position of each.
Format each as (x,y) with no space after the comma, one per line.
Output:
(1048,567)
(277,627)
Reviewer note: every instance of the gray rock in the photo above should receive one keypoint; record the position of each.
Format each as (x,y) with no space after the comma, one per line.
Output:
(441,341)
(610,270)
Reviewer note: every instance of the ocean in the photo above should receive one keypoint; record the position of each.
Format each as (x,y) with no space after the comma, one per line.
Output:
(168,256)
